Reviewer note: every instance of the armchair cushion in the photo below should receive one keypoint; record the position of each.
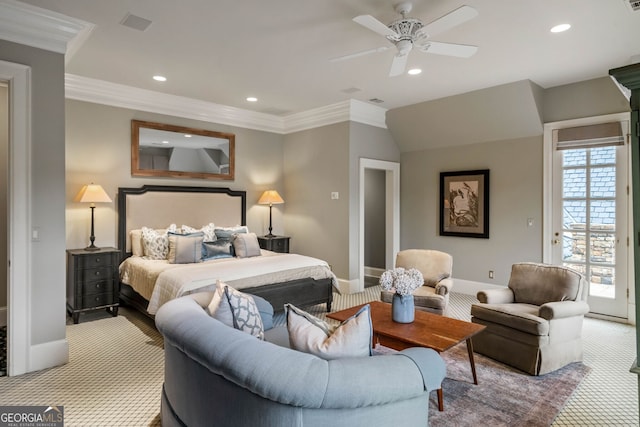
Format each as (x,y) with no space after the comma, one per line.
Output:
(434,265)
(534,283)
(523,317)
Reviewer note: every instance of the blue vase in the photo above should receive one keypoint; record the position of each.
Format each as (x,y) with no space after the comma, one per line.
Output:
(402,308)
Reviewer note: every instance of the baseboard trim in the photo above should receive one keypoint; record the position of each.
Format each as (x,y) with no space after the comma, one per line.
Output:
(49,354)
(373,271)
(469,287)
(349,286)
(3,316)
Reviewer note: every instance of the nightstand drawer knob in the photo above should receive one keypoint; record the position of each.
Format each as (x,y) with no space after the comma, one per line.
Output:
(97,273)
(97,259)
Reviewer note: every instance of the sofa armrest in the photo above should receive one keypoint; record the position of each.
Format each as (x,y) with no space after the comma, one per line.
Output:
(443,287)
(562,309)
(496,296)
(430,364)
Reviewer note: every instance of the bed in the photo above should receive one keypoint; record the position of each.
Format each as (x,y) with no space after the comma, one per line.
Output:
(147,284)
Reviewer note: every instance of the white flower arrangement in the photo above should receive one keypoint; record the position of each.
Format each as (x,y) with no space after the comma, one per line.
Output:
(401,281)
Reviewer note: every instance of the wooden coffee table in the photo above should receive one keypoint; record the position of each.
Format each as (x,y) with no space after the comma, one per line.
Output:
(427,330)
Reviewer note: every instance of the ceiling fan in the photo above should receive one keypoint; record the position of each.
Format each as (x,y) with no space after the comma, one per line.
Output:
(407,33)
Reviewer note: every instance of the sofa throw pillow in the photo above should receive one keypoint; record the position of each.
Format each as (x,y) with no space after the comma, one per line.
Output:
(246,245)
(228,232)
(352,338)
(207,230)
(155,243)
(236,309)
(221,248)
(185,248)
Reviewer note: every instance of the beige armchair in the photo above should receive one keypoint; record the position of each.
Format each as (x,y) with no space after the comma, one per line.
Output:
(436,268)
(535,324)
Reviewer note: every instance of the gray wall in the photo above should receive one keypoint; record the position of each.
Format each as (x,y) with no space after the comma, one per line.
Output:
(99,150)
(47,188)
(374,218)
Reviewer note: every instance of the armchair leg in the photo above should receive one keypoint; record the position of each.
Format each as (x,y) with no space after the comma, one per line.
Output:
(440,400)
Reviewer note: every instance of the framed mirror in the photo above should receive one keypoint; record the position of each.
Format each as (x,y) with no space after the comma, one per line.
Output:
(174,151)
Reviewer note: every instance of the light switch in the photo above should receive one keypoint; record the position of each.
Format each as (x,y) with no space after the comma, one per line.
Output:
(335,195)
(529,222)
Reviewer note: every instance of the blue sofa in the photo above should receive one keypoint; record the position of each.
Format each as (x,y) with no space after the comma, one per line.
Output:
(217,375)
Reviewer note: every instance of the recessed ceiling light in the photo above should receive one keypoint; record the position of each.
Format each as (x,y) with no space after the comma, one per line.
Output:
(414,71)
(160,78)
(560,28)
(186,135)
(252,99)
(165,142)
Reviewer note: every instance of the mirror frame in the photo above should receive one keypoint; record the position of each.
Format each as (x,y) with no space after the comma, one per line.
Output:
(135,150)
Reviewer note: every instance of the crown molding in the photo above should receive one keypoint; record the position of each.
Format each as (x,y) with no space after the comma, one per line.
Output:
(36,27)
(117,95)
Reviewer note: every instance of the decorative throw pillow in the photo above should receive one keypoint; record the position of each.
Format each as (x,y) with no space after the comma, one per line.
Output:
(228,232)
(156,243)
(185,248)
(208,230)
(236,309)
(246,245)
(221,248)
(136,242)
(352,338)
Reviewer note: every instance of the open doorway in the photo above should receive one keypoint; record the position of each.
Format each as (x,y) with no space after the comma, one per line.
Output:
(388,238)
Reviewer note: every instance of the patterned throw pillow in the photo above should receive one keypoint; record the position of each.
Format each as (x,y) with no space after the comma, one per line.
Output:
(352,338)
(236,309)
(208,230)
(156,243)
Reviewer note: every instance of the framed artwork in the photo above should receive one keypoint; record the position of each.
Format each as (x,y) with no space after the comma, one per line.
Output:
(464,203)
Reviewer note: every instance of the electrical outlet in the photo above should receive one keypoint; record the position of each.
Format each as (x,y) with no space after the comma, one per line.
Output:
(490,274)
(335,195)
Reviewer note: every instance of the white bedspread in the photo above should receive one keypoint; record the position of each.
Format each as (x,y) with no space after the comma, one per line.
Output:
(159,281)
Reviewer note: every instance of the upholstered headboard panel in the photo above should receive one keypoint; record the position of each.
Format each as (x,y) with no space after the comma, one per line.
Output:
(158,206)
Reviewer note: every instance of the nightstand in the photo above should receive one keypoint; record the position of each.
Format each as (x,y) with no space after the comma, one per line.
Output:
(92,281)
(274,243)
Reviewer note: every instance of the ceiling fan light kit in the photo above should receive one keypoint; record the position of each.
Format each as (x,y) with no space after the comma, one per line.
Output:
(406,33)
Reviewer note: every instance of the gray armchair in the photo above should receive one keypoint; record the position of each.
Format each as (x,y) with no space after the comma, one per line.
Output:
(436,268)
(535,324)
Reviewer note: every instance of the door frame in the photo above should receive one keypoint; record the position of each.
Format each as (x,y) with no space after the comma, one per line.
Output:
(547,191)
(19,218)
(392,210)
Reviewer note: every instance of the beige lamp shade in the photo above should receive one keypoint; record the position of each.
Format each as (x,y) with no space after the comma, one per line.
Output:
(92,193)
(270,197)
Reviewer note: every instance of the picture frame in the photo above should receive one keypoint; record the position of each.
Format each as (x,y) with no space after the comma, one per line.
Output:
(464,203)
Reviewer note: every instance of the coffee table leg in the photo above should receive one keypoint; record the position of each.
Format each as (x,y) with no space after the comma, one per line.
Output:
(440,400)
(473,363)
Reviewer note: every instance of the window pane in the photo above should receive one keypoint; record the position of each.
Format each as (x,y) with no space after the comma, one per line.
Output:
(580,268)
(574,157)
(603,214)
(603,182)
(602,248)
(574,247)
(574,214)
(603,155)
(602,280)
(574,183)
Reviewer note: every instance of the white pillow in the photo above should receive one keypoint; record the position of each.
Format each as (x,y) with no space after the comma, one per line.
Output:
(208,230)
(156,243)
(352,338)
(236,309)
(246,245)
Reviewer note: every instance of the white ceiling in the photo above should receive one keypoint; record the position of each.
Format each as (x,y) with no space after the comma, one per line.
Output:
(222,51)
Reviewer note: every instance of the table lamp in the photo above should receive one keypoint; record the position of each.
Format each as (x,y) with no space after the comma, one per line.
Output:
(270,197)
(93,194)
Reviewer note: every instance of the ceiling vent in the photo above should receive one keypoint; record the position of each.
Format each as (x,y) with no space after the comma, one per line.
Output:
(135,22)
(376,100)
(634,5)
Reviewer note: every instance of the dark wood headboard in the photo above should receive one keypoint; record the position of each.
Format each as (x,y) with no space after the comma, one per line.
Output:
(157,206)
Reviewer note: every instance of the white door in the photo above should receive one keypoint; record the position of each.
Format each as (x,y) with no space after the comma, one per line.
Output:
(590,210)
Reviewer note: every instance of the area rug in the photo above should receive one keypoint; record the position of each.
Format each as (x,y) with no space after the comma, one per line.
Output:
(504,396)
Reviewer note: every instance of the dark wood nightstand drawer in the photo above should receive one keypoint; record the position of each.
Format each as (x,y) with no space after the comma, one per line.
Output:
(89,274)
(98,300)
(97,287)
(274,243)
(95,260)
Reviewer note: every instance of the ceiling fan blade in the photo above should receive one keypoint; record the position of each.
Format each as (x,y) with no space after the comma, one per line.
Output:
(449,49)
(398,65)
(450,20)
(361,53)
(373,24)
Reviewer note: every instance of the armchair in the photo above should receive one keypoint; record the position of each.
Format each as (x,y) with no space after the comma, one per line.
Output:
(535,324)
(436,268)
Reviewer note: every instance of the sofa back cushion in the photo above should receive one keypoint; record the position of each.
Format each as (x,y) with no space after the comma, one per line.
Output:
(534,283)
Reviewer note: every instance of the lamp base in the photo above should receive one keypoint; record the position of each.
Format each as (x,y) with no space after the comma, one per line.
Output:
(92,248)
